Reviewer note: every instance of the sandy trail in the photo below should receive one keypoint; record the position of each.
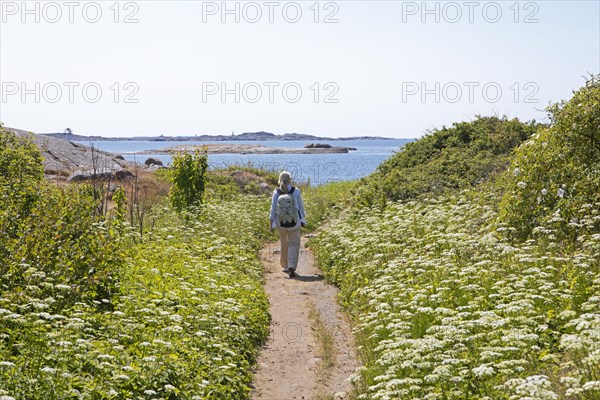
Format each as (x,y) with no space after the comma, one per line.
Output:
(290,365)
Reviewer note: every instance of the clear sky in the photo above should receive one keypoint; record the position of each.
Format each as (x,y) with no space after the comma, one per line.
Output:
(342,68)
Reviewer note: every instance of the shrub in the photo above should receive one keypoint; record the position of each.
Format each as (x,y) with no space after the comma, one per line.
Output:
(448,158)
(21,173)
(188,174)
(554,180)
(50,235)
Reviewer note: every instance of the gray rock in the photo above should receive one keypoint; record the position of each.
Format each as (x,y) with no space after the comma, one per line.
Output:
(123,174)
(153,161)
(79,176)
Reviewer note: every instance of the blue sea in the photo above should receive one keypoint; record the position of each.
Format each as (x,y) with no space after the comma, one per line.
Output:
(316,168)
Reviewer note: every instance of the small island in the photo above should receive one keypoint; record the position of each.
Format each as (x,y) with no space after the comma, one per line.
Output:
(233,148)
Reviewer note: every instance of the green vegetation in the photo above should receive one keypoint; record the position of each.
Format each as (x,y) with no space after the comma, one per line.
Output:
(49,234)
(490,292)
(325,202)
(92,309)
(188,177)
(555,176)
(444,308)
(448,158)
(228,182)
(21,173)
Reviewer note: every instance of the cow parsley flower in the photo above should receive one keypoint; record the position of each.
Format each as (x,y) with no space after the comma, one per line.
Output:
(482,371)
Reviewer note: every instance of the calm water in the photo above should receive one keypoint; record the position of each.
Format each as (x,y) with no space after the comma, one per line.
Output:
(318,168)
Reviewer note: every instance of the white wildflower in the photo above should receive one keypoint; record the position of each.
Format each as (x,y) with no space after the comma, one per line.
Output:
(6,364)
(591,386)
(483,371)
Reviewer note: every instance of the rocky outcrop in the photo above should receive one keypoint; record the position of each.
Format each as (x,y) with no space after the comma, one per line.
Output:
(64,158)
(317,146)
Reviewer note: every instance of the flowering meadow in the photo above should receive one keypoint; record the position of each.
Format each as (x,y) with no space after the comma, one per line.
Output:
(446,309)
(184,322)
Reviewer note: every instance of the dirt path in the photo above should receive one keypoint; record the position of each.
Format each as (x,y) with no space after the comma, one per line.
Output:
(310,352)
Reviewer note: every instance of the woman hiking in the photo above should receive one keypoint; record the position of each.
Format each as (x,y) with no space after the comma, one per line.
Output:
(288,216)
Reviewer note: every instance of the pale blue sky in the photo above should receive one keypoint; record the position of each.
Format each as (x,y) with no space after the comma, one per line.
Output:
(378,56)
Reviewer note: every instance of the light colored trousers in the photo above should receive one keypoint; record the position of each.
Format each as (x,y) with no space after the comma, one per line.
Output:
(290,246)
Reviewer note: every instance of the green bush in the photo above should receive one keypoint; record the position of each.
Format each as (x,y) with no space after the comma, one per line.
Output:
(21,173)
(554,180)
(188,174)
(50,235)
(448,158)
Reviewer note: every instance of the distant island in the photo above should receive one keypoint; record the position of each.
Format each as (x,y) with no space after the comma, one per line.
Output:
(239,148)
(258,136)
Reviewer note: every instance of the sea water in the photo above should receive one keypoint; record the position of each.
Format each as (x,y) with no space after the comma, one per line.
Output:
(316,168)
